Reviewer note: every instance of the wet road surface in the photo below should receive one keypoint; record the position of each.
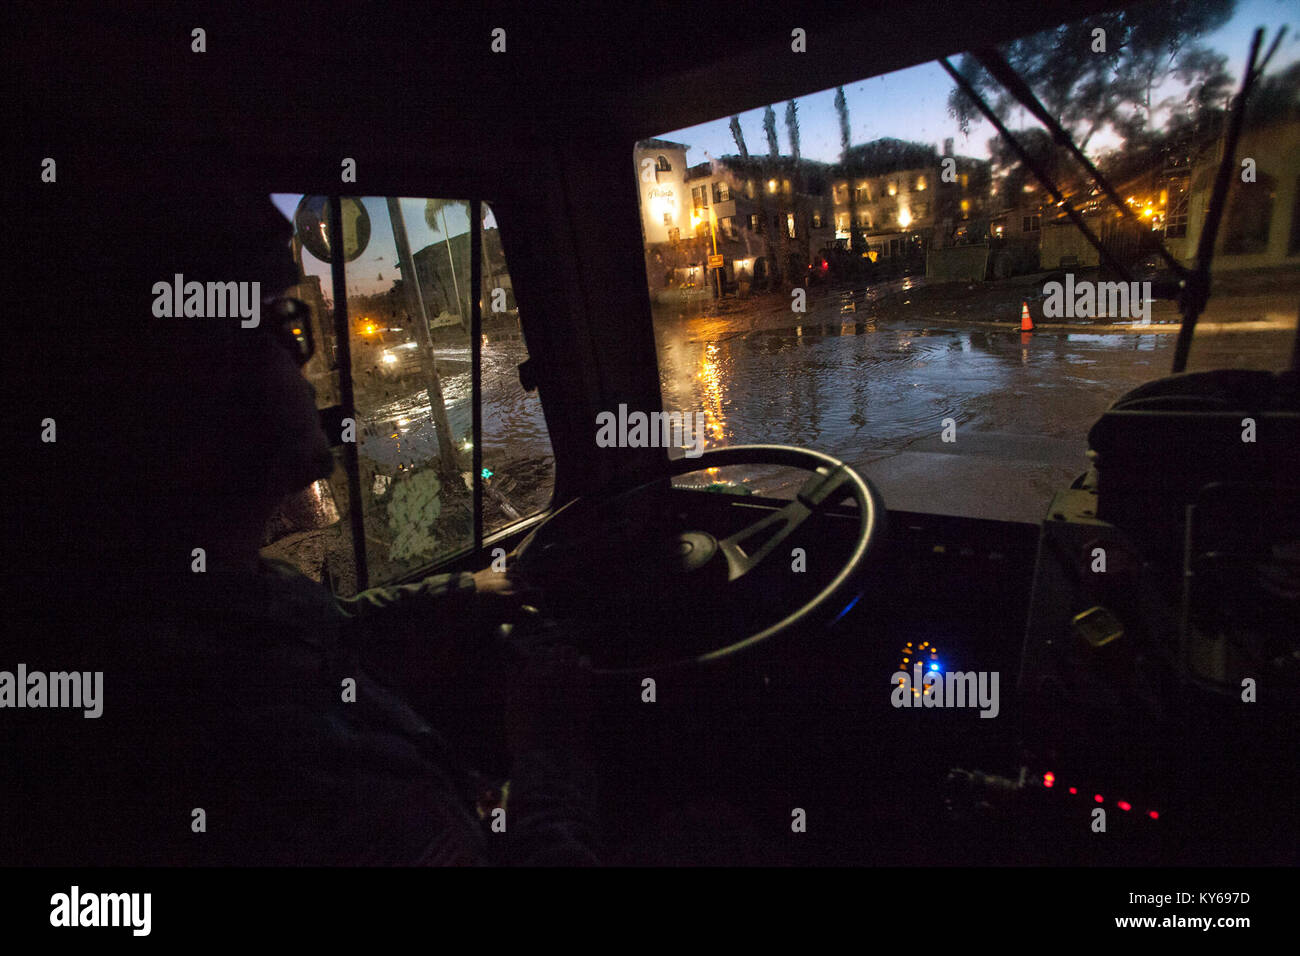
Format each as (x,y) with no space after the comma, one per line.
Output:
(876,393)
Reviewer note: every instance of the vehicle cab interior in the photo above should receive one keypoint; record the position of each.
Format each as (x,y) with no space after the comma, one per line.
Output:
(638,312)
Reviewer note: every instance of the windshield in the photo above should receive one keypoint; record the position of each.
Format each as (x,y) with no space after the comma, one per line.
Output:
(873,272)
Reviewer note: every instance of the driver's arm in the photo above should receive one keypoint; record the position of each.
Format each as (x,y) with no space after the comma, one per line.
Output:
(432,641)
(427,637)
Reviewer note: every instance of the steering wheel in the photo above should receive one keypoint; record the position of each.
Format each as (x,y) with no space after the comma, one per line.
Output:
(582,541)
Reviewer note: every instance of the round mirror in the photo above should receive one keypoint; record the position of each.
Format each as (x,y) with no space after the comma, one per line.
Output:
(311,226)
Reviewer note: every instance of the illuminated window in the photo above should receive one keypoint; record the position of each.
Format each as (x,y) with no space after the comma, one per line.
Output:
(721,192)
(674,235)
(785,187)
(789,225)
(920,184)
(893,188)
(817,219)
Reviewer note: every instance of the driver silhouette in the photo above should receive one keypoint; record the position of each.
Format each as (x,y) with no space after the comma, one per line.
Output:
(249,716)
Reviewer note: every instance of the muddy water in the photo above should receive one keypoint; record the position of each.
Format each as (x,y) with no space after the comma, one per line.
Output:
(846,381)
(868,390)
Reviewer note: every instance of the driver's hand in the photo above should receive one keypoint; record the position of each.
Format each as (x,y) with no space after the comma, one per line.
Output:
(497,590)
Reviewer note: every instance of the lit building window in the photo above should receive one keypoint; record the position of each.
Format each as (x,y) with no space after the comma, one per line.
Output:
(920,184)
(893,188)
(789,225)
(771,185)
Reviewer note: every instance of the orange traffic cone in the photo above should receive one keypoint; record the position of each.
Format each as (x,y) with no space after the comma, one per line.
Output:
(1026,323)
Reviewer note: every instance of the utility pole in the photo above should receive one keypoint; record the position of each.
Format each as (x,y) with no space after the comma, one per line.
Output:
(713,231)
(415,300)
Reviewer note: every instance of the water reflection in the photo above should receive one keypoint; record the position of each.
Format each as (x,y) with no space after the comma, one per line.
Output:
(865,391)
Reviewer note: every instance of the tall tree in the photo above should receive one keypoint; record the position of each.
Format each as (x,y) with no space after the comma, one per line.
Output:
(782,206)
(847,168)
(1089,89)
(435,216)
(739,136)
(803,227)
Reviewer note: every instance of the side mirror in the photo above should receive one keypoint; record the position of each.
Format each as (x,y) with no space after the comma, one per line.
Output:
(311,227)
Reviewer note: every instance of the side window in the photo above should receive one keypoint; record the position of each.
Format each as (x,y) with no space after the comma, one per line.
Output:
(409,316)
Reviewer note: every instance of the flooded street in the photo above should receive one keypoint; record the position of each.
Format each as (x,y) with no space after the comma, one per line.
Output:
(875,392)
(845,380)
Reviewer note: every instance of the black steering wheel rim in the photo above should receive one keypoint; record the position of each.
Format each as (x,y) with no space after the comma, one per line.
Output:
(837,482)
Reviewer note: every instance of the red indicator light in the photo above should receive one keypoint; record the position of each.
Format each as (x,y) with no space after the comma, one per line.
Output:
(1049,779)
(1153,815)
(1074,789)
(1098,798)
(1125,805)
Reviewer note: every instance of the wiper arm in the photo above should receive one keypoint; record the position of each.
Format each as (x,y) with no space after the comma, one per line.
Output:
(1196,287)
(1037,170)
(1194,291)
(1005,73)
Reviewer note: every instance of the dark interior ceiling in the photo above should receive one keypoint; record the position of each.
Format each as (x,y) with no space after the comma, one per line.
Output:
(310,78)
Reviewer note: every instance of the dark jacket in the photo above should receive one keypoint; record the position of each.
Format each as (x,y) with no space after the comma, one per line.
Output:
(234,695)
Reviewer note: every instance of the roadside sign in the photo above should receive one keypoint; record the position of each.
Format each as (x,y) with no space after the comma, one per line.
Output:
(715,262)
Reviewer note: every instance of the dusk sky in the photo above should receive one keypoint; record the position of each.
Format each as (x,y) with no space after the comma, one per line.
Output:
(907,104)
(380,256)
(912,104)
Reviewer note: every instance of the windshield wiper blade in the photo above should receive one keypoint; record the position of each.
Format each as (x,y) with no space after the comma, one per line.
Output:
(1002,71)
(1039,173)
(1196,287)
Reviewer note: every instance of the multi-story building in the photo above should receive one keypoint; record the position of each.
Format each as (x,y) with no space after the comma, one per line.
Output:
(767,216)
(907,198)
(762,217)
